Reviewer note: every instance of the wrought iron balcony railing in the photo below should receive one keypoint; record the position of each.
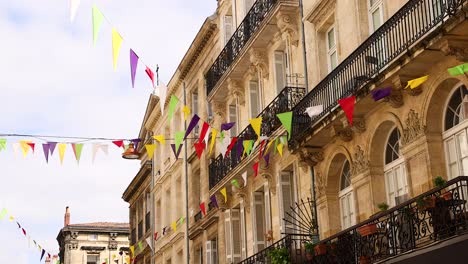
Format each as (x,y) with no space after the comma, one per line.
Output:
(147,221)
(439,214)
(413,21)
(284,102)
(254,18)
(140,229)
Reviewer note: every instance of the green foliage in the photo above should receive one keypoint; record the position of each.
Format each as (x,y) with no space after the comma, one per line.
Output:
(309,247)
(279,256)
(439,182)
(383,206)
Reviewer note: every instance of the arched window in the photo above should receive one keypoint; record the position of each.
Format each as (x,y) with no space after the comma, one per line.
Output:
(346,197)
(395,177)
(455,134)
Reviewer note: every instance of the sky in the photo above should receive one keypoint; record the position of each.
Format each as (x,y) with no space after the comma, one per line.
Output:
(54,82)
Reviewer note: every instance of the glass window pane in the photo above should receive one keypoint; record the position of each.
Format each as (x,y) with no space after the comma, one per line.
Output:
(331,38)
(376,19)
(333,60)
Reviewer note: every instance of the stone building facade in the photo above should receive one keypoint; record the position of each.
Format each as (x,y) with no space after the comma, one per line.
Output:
(93,243)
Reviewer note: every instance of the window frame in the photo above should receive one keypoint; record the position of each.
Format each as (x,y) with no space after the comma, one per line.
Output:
(372,8)
(331,50)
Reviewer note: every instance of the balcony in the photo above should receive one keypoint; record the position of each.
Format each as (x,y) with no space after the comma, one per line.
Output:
(395,37)
(252,21)
(433,225)
(140,230)
(284,102)
(147,221)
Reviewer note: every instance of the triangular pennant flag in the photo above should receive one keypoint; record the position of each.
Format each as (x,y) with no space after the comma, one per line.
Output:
(11,218)
(178,138)
(77,148)
(98,17)
(3,213)
(172,106)
(416,82)
(275,146)
(61,149)
(133,66)
(74,4)
(24,147)
(381,93)
(224,146)
(255,168)
(181,220)
(156,236)
(244,176)
(221,136)
(148,242)
(116,43)
(42,254)
(231,145)
(270,143)
(347,104)
(214,133)
(19,226)
(223,191)
(161,91)
(150,74)
(46,149)
(24,231)
(235,183)
(186,111)
(52,147)
(280,149)
(286,121)
(214,201)
(199,148)
(150,148)
(174,226)
(260,152)
(2,144)
(176,153)
(256,124)
(204,131)
(164,231)
(267,159)
(160,138)
(140,245)
(31,145)
(202,208)
(135,142)
(458,70)
(314,110)
(118,143)
(132,250)
(104,148)
(248,146)
(240,147)
(193,123)
(227,126)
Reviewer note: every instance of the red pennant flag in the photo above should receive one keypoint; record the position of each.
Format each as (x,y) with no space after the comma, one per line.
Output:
(202,208)
(199,148)
(24,231)
(118,143)
(233,142)
(156,236)
(32,146)
(347,104)
(150,74)
(255,168)
(261,149)
(203,131)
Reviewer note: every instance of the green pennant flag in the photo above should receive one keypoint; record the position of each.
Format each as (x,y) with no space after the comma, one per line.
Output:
(140,245)
(181,220)
(77,148)
(458,70)
(286,120)
(248,144)
(3,213)
(276,145)
(98,17)
(2,144)
(283,140)
(235,183)
(172,106)
(221,136)
(179,137)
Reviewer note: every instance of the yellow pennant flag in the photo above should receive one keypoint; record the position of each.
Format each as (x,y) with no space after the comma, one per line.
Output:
(11,218)
(150,148)
(416,82)
(269,145)
(174,226)
(132,250)
(256,124)
(186,111)
(224,193)
(61,148)
(160,138)
(116,43)
(214,133)
(280,148)
(24,147)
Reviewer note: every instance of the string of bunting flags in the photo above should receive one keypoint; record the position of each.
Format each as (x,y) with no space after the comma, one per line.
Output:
(53,257)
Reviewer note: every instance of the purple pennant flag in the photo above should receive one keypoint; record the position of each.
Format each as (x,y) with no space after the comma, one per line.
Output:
(267,159)
(227,126)
(176,153)
(135,142)
(381,93)
(214,201)
(46,148)
(42,255)
(192,125)
(52,147)
(133,65)
(19,226)
(240,147)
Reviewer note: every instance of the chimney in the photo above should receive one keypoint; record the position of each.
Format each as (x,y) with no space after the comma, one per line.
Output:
(66,221)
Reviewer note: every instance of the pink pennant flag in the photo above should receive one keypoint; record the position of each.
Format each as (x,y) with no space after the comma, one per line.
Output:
(199,147)
(133,66)
(150,74)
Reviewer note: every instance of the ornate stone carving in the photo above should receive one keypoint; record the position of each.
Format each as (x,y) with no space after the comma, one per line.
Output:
(345,134)
(244,195)
(320,184)
(414,128)
(219,108)
(310,156)
(73,245)
(236,91)
(113,245)
(271,181)
(456,48)
(74,234)
(360,162)
(416,91)
(395,99)
(113,236)
(259,60)
(359,124)
(287,26)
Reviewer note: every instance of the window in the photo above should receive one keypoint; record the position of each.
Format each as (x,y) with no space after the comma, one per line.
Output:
(287,199)
(248,5)
(280,70)
(233,118)
(212,251)
(199,255)
(254,99)
(346,197)
(210,112)
(232,229)
(332,57)
(167,213)
(158,216)
(93,237)
(195,110)
(243,231)
(455,134)
(228,28)
(92,259)
(395,176)
(375,14)
(261,216)
(179,197)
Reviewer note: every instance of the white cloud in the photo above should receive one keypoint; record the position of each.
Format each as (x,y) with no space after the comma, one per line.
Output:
(55,83)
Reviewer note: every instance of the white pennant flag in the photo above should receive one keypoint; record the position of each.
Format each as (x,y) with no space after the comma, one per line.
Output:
(207,136)
(161,91)
(314,110)
(74,4)
(105,148)
(16,148)
(244,176)
(224,145)
(148,241)
(96,147)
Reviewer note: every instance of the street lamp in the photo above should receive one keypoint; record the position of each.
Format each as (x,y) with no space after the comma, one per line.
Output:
(131,153)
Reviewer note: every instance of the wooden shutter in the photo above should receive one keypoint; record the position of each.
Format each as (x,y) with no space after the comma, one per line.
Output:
(243,230)
(254,99)
(208,253)
(280,71)
(228,236)
(259,221)
(267,207)
(287,199)
(228,28)
(236,235)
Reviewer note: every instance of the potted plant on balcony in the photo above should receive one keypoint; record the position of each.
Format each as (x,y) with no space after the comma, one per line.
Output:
(309,250)
(371,228)
(320,249)
(440,182)
(279,256)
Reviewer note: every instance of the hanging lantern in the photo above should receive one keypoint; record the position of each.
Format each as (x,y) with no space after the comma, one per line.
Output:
(131,152)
